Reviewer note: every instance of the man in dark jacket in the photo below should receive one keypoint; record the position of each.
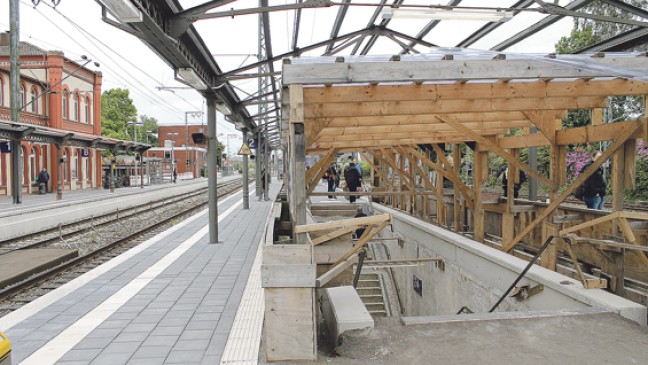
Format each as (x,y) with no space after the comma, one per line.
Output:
(594,186)
(331,176)
(352,177)
(43,178)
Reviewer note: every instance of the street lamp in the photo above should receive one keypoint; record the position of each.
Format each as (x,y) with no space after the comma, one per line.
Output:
(190,160)
(135,124)
(172,137)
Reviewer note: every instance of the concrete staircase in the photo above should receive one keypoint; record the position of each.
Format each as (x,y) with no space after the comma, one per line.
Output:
(370,289)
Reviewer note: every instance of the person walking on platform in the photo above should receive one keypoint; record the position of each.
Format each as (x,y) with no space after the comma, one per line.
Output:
(353,180)
(43,179)
(594,186)
(175,176)
(331,178)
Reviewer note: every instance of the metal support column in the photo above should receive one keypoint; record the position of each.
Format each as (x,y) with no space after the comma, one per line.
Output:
(257,164)
(14,28)
(59,168)
(246,187)
(268,167)
(212,160)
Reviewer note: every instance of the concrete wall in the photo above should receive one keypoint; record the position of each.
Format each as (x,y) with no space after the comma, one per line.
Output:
(476,275)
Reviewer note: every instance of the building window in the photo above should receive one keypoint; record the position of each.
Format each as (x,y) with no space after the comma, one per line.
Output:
(34,100)
(1,90)
(66,105)
(85,168)
(85,110)
(73,164)
(32,165)
(167,155)
(75,105)
(21,97)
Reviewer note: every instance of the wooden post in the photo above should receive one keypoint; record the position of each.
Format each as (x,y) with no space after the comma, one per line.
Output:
(456,221)
(548,257)
(481,166)
(618,185)
(298,156)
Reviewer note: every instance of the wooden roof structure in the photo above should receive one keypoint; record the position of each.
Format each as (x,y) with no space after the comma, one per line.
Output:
(387,106)
(361,103)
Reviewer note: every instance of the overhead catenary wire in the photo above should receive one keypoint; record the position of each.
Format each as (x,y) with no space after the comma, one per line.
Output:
(155,99)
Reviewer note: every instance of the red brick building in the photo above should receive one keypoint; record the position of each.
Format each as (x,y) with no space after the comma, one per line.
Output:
(62,99)
(177,145)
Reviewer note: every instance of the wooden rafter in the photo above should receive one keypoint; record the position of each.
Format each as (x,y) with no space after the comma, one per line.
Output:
(510,90)
(383,108)
(450,175)
(403,176)
(500,151)
(629,130)
(374,219)
(428,184)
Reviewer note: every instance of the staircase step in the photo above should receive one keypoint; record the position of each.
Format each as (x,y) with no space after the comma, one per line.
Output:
(375,306)
(368,283)
(369,291)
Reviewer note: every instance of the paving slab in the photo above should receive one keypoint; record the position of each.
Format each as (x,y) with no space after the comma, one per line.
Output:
(20,264)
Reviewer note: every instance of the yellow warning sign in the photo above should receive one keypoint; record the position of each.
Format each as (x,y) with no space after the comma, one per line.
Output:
(245,150)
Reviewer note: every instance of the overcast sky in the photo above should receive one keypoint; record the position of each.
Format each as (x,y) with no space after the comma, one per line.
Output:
(76,28)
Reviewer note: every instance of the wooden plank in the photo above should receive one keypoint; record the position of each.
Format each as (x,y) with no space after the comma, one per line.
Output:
(336,270)
(288,254)
(384,108)
(544,121)
(364,239)
(630,130)
(288,276)
(399,261)
(511,90)
(297,196)
(322,165)
(577,135)
(589,134)
(334,234)
(432,128)
(501,118)
(384,156)
(597,116)
(590,223)
(497,149)
(630,164)
(374,219)
(457,70)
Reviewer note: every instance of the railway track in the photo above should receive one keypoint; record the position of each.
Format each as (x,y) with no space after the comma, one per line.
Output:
(124,231)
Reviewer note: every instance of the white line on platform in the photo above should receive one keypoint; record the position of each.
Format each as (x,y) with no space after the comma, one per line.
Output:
(66,340)
(242,346)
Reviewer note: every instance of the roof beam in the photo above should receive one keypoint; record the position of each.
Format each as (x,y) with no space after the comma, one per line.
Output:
(545,22)
(491,26)
(426,29)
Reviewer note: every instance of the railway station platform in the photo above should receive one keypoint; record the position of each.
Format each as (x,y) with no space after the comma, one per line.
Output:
(171,300)
(39,201)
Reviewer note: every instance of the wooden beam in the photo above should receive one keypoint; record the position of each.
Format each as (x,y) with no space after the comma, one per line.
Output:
(629,131)
(374,219)
(511,90)
(544,121)
(458,184)
(384,108)
(334,234)
(364,239)
(335,270)
(497,149)
(424,177)
(367,121)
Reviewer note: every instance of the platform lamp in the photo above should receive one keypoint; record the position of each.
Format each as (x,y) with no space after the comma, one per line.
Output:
(172,137)
(135,124)
(190,160)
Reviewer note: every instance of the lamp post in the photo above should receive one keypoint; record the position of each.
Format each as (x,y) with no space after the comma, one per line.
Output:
(172,136)
(135,124)
(190,160)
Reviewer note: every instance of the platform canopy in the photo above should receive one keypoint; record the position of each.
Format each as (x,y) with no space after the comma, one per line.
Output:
(458,95)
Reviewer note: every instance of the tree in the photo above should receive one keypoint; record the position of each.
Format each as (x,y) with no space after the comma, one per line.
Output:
(150,126)
(117,109)
(588,31)
(578,39)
